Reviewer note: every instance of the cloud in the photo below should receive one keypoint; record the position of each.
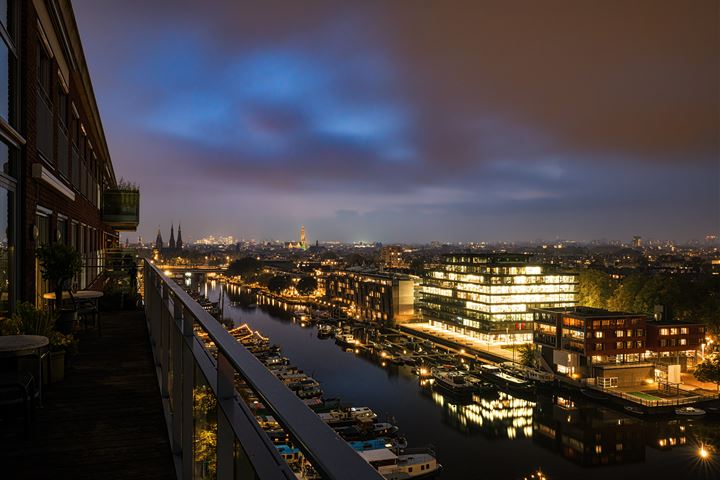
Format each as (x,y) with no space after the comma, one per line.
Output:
(474,110)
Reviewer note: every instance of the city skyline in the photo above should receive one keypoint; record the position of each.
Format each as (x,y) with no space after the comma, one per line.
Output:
(480,123)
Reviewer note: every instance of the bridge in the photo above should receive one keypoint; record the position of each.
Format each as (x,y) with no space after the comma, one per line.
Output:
(192,268)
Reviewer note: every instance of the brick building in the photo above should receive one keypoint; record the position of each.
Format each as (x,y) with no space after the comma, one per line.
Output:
(56,163)
(615,348)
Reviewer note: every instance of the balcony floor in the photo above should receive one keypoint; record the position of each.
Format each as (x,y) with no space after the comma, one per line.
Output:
(105,420)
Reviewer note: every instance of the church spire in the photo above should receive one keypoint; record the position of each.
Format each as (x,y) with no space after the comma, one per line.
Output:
(159,240)
(179,242)
(172,236)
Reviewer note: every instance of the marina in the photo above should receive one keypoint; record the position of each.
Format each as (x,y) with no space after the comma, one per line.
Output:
(514,426)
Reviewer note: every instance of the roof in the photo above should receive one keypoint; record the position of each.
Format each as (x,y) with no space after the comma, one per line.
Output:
(377,455)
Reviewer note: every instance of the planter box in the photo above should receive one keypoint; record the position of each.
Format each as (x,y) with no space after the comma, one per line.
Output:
(121,209)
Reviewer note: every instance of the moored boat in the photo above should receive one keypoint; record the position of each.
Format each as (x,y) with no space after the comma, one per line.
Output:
(406,465)
(690,411)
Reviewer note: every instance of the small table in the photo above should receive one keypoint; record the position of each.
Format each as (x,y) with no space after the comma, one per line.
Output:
(14,346)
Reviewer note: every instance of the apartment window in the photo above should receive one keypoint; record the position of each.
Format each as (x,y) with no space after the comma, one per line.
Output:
(44,70)
(683,341)
(599,334)
(629,333)
(629,345)
(619,333)
(684,330)
(598,346)
(639,344)
(663,342)
(664,331)
(673,331)
(8,62)
(619,345)
(639,332)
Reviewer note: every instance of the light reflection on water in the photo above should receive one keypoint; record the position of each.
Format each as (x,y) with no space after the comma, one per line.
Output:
(495,435)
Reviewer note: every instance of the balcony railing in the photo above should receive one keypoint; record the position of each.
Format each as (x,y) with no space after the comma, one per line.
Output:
(121,209)
(213,432)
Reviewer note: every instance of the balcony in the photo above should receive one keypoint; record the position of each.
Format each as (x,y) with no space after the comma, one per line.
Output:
(121,209)
(163,394)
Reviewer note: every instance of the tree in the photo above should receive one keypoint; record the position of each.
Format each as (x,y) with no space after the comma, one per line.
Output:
(709,370)
(245,267)
(623,299)
(307,285)
(278,283)
(595,288)
(417,266)
(526,354)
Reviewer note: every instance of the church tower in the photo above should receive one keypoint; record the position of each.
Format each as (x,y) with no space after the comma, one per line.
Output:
(179,242)
(303,244)
(172,237)
(158,240)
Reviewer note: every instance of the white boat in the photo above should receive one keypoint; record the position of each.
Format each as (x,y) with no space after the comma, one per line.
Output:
(403,466)
(690,411)
(348,416)
(452,381)
(324,331)
(345,340)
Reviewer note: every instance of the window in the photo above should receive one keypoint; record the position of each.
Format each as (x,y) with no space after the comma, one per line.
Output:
(663,342)
(619,333)
(629,345)
(44,70)
(673,331)
(664,331)
(639,344)
(629,333)
(684,330)
(619,345)
(639,332)
(598,346)
(683,341)
(7,264)
(599,334)
(8,62)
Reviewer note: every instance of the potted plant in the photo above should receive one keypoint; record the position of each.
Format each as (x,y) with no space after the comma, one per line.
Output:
(61,346)
(59,264)
(28,320)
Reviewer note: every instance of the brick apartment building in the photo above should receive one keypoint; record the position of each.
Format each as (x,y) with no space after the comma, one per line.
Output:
(614,348)
(56,164)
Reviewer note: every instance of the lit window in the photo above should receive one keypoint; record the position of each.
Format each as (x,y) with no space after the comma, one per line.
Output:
(683,341)
(673,331)
(619,333)
(664,331)
(684,330)
(599,334)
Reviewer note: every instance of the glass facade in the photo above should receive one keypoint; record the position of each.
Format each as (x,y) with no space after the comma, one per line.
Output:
(492,293)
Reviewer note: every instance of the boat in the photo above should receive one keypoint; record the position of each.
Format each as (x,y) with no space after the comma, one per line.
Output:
(378,443)
(406,465)
(496,375)
(345,339)
(366,431)
(347,417)
(690,411)
(634,410)
(324,331)
(452,381)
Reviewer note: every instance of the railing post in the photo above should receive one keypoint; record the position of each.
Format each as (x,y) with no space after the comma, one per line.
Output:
(177,368)
(188,385)
(164,347)
(225,401)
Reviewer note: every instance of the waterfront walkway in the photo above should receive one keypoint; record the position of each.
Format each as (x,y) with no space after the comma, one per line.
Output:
(472,346)
(105,420)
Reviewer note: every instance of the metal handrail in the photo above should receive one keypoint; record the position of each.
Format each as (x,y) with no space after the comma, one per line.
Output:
(331,456)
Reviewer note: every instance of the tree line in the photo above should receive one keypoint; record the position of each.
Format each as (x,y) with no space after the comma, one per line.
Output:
(692,298)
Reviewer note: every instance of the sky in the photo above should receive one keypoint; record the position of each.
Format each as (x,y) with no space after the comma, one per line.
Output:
(411,121)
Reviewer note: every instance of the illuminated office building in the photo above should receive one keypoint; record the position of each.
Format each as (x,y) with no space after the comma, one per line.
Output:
(490,296)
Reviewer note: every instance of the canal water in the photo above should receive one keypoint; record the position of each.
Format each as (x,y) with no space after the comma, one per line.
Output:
(497,436)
